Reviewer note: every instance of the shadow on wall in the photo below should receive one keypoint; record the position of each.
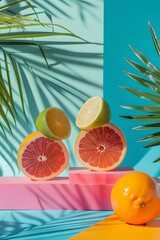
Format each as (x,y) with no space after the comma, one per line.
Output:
(56,9)
(75,74)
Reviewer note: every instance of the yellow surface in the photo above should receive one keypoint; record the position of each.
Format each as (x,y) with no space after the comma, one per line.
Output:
(112,228)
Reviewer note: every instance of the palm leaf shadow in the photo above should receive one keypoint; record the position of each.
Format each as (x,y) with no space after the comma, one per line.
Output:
(55,9)
(44,224)
(63,79)
(62,228)
(56,84)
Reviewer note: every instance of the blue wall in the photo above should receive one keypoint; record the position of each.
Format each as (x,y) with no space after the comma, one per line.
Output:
(126,22)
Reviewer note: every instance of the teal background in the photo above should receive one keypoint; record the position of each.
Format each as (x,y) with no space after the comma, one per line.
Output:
(126,23)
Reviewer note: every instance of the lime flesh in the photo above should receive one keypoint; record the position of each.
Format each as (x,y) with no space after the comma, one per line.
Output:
(94,113)
(54,123)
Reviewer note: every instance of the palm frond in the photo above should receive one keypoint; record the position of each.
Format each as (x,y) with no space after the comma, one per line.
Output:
(145,95)
(153,86)
(153,144)
(150,79)
(20,36)
(8,5)
(146,72)
(144,118)
(17,74)
(152,126)
(155,39)
(148,109)
(150,137)
(4,115)
(145,60)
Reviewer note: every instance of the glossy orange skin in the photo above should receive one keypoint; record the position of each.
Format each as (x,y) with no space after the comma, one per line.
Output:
(135,198)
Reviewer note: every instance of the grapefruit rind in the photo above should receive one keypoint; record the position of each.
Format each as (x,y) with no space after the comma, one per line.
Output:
(32,137)
(98,169)
(101,117)
(43,127)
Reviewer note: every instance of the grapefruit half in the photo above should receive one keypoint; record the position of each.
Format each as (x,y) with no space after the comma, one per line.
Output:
(41,158)
(101,149)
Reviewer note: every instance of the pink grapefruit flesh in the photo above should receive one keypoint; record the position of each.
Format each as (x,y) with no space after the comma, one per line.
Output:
(41,158)
(101,149)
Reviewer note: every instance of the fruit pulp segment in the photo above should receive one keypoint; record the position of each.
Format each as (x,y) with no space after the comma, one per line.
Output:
(101,147)
(89,111)
(58,122)
(42,157)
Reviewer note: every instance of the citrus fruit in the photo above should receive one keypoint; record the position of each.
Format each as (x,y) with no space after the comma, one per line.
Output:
(41,158)
(135,198)
(94,112)
(101,149)
(54,123)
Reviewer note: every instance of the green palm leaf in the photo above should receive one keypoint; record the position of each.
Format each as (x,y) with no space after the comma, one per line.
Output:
(155,39)
(17,35)
(14,64)
(149,109)
(153,86)
(153,144)
(4,115)
(145,95)
(144,118)
(8,21)
(8,78)
(152,126)
(151,82)
(11,4)
(145,60)
(150,137)
(146,72)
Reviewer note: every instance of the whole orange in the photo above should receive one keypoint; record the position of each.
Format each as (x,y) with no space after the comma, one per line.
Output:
(135,198)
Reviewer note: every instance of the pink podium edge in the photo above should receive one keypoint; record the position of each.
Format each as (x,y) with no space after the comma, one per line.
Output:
(85,176)
(22,193)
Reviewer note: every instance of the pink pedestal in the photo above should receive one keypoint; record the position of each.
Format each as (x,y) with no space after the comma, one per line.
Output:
(22,193)
(85,176)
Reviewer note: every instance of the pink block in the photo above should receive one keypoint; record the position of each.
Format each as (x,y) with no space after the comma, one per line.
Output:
(85,176)
(23,193)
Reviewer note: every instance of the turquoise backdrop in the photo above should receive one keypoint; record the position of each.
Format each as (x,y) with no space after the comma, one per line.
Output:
(126,23)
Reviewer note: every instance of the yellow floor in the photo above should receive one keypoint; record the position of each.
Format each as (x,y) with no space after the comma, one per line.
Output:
(114,229)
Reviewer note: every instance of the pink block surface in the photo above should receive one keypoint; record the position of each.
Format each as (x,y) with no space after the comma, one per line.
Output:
(23,193)
(85,176)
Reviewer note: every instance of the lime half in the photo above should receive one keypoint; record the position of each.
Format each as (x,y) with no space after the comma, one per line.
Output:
(94,113)
(54,123)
